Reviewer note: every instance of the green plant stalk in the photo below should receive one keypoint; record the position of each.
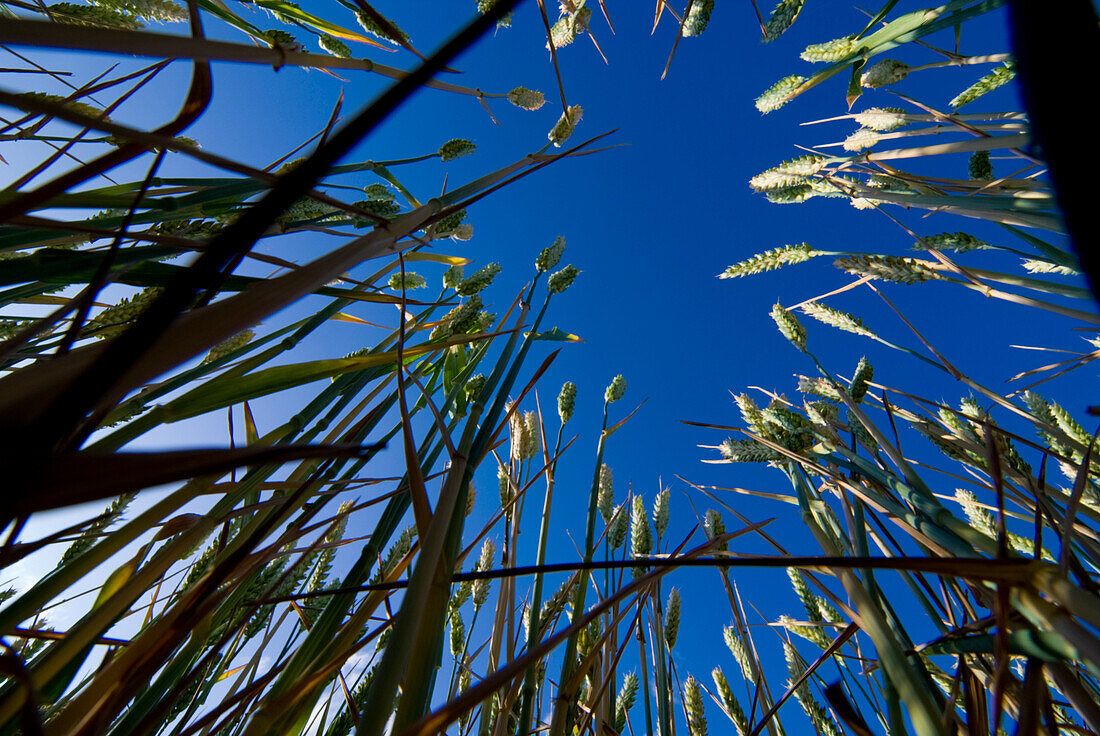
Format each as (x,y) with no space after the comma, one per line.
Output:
(536,594)
(662,654)
(419,695)
(645,678)
(563,705)
(415,625)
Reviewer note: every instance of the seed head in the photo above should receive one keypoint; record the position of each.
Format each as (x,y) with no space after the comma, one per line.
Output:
(998,77)
(770,260)
(458,635)
(334,46)
(782,18)
(748,451)
(789,326)
(229,345)
(625,700)
(641,538)
(693,704)
(532,435)
(779,93)
(862,138)
(882,119)
(959,242)
(886,72)
(411,281)
(283,40)
(861,380)
(836,318)
(788,173)
(979,166)
(378,192)
(452,277)
(616,531)
(830,51)
(795,194)
(550,255)
(733,707)
(615,390)
(478,280)
(818,387)
(456,148)
(714,527)
(562,280)
(371,26)
(567,398)
(661,512)
(480,591)
(887,268)
(697,20)
(528,99)
(94,16)
(672,618)
(459,320)
(564,127)
(605,499)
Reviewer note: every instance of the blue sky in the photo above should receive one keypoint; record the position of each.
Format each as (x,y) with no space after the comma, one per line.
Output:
(651,223)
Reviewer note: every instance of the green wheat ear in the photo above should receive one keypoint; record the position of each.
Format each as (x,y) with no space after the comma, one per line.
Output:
(819,387)
(782,17)
(479,280)
(884,73)
(567,400)
(615,390)
(830,51)
(979,166)
(882,119)
(959,242)
(672,618)
(625,700)
(796,194)
(836,318)
(528,99)
(334,46)
(410,281)
(748,451)
(813,634)
(998,77)
(715,527)
(164,11)
(456,148)
(697,20)
(549,256)
(778,94)
(1032,266)
(370,26)
(729,700)
(861,380)
(693,704)
(862,138)
(229,345)
(788,173)
(76,106)
(750,412)
(887,268)
(93,16)
(605,499)
(789,326)
(563,129)
(562,280)
(661,512)
(641,537)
